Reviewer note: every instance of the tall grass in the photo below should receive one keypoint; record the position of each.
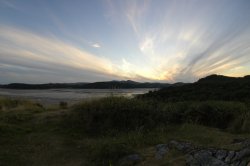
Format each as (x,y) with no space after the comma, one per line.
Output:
(16,111)
(119,114)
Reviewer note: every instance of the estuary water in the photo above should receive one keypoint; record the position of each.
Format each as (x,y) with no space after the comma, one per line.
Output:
(53,96)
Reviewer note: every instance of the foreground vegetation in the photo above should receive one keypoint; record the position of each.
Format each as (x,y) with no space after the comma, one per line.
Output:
(102,131)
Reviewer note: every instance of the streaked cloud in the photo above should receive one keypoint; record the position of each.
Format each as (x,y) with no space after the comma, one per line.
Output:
(29,50)
(155,40)
(25,52)
(184,44)
(135,12)
(25,45)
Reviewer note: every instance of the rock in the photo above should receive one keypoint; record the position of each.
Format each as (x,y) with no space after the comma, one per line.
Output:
(237,163)
(196,156)
(229,157)
(207,152)
(213,151)
(191,161)
(221,154)
(204,158)
(182,146)
(161,150)
(242,154)
(173,143)
(130,160)
(243,163)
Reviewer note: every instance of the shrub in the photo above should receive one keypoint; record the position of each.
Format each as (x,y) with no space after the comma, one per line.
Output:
(209,113)
(119,114)
(241,124)
(63,105)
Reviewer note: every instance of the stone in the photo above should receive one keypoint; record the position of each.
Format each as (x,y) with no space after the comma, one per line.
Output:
(229,157)
(130,160)
(191,161)
(213,151)
(242,154)
(182,146)
(161,151)
(205,158)
(196,156)
(221,154)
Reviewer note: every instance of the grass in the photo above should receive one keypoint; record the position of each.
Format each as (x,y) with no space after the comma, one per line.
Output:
(102,131)
(121,114)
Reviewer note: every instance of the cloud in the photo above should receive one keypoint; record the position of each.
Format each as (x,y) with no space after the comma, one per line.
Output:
(147,46)
(173,42)
(22,48)
(25,45)
(96,45)
(135,12)
(30,57)
(183,49)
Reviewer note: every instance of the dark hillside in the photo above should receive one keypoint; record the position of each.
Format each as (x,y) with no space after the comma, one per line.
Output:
(214,87)
(96,85)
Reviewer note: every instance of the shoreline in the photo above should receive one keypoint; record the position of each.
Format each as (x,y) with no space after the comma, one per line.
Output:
(71,96)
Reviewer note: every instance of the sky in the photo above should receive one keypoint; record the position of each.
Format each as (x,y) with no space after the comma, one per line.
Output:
(44,41)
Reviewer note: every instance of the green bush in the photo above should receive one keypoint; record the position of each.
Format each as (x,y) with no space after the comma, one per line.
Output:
(117,113)
(114,114)
(215,114)
(209,113)
(241,124)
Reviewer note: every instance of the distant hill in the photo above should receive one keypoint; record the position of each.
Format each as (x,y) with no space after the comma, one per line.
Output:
(96,85)
(213,87)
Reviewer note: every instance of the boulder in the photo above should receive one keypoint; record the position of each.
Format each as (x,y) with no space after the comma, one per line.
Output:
(230,156)
(242,154)
(221,154)
(182,146)
(161,151)
(205,158)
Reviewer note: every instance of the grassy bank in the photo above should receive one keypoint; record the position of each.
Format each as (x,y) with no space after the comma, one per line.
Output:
(101,132)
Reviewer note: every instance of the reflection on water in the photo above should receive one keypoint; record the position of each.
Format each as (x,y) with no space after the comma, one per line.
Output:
(69,95)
